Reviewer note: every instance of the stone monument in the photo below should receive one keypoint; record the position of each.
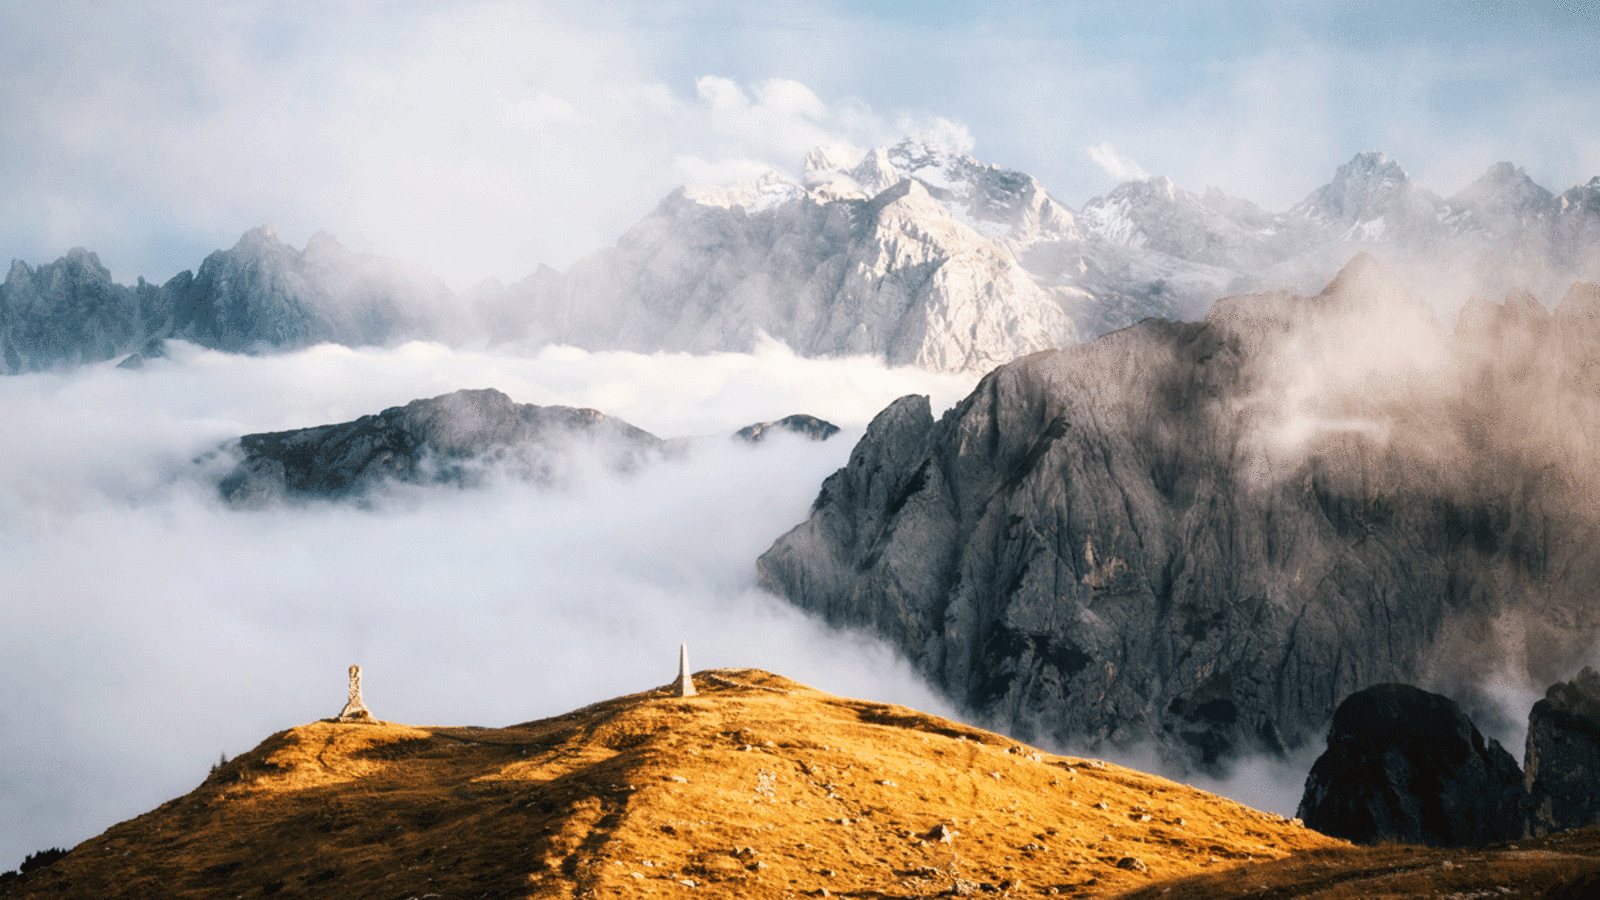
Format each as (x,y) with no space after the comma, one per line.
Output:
(354,710)
(684,686)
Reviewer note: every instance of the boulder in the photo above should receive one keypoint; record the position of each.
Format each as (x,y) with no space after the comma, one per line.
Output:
(1407,765)
(1563,757)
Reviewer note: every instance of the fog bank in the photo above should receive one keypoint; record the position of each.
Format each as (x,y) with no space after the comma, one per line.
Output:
(150,629)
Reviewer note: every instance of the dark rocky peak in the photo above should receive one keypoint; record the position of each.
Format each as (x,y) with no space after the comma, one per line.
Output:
(1563,756)
(460,439)
(800,424)
(1407,765)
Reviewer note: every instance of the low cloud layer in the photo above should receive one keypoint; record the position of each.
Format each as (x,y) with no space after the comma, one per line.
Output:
(151,629)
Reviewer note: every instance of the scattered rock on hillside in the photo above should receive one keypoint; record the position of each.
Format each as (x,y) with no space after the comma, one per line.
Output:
(1407,765)
(1563,756)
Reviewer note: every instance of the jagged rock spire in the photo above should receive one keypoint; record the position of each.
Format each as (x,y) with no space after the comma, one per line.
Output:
(684,686)
(354,710)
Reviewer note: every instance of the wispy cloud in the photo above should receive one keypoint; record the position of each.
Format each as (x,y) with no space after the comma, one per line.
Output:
(1119,167)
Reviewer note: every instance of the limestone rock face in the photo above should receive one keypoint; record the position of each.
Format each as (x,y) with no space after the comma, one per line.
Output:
(1407,765)
(456,439)
(1206,535)
(895,276)
(1563,756)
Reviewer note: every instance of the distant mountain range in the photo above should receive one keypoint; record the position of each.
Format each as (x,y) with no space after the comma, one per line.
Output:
(913,253)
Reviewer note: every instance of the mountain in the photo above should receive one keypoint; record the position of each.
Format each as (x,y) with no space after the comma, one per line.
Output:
(831,264)
(460,439)
(1370,197)
(261,295)
(756,786)
(1206,535)
(827,271)
(913,253)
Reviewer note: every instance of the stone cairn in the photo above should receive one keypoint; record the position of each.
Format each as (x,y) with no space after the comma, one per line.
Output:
(684,686)
(354,709)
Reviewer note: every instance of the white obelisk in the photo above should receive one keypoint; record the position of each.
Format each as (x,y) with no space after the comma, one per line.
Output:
(684,685)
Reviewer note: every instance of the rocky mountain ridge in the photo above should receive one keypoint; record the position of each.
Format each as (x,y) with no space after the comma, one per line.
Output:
(260,295)
(459,439)
(1206,535)
(462,439)
(914,253)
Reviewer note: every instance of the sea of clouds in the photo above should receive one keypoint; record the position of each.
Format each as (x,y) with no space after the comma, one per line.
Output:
(150,629)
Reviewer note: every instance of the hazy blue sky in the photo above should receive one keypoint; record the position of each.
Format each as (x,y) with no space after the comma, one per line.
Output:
(481,139)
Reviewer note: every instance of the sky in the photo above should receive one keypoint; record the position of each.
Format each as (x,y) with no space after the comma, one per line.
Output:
(481,140)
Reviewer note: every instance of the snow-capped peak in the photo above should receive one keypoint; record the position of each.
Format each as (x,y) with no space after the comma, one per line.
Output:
(770,190)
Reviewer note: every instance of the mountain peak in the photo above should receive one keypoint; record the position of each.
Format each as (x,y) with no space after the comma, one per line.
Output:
(1370,167)
(260,238)
(1505,190)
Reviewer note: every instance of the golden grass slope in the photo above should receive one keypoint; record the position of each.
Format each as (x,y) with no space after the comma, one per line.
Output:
(756,787)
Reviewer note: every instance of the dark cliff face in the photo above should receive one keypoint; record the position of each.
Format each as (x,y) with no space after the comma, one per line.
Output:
(1563,756)
(457,439)
(1407,765)
(1208,534)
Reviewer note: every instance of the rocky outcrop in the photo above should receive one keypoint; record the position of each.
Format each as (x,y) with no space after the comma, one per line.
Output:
(1563,756)
(1208,534)
(801,424)
(1407,765)
(457,439)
